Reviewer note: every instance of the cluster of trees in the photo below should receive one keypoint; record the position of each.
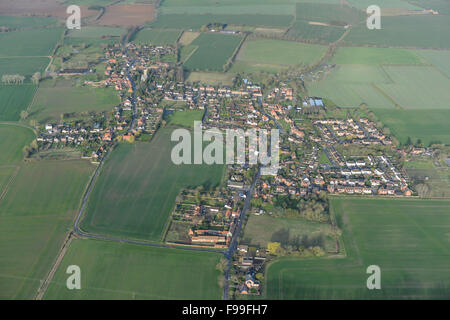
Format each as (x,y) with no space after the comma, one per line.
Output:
(29,150)
(12,79)
(278,249)
(313,207)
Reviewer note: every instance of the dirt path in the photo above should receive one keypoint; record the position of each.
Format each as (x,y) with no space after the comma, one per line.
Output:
(44,286)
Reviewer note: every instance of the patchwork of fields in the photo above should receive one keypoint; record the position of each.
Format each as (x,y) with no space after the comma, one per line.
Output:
(407,239)
(137,187)
(125,271)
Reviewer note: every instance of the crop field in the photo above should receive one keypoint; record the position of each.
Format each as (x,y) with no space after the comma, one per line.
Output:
(15,98)
(35,216)
(417,31)
(252,67)
(185,118)
(141,180)
(439,58)
(352,85)
(26,22)
(96,32)
(417,87)
(440,5)
(407,239)
(364,4)
(51,102)
(332,14)
(428,125)
(213,51)
(23,66)
(157,37)
(35,42)
(302,30)
(195,21)
(137,272)
(279,53)
(377,56)
(260,230)
(14,138)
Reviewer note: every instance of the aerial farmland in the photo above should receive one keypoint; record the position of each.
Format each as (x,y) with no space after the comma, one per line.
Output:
(136,163)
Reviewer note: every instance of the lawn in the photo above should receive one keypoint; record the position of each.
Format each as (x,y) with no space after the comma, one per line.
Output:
(51,102)
(280,52)
(260,230)
(14,99)
(213,51)
(186,118)
(35,42)
(157,37)
(141,180)
(13,139)
(35,216)
(125,271)
(407,239)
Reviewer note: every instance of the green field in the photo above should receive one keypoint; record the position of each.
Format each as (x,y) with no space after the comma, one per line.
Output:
(157,37)
(96,32)
(260,230)
(328,13)
(30,43)
(14,99)
(26,22)
(427,125)
(417,87)
(124,271)
(137,187)
(213,51)
(196,21)
(377,56)
(51,102)
(278,53)
(440,5)
(407,239)
(424,31)
(14,138)
(186,118)
(23,66)
(352,85)
(302,30)
(35,216)
(364,4)
(439,58)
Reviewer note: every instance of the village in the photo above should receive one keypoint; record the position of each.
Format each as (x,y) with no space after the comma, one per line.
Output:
(313,159)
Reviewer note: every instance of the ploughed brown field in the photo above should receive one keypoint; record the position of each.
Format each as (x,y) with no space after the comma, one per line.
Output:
(127,15)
